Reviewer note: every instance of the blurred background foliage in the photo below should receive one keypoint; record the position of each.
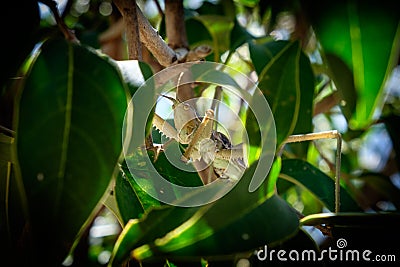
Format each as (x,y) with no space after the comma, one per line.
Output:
(326,65)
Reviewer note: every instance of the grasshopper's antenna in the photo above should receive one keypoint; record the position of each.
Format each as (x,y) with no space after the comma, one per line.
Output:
(174,101)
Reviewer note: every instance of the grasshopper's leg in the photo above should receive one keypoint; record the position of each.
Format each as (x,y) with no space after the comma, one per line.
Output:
(164,127)
(202,132)
(324,135)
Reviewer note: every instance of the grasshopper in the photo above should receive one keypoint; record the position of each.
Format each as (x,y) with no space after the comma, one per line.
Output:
(203,142)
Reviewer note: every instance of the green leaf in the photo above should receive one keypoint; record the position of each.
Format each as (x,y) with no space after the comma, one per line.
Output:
(139,173)
(278,68)
(367,38)
(146,201)
(197,33)
(344,81)
(69,132)
(224,8)
(176,175)
(217,233)
(306,109)
(128,200)
(248,3)
(219,27)
(273,176)
(155,224)
(318,183)
(239,222)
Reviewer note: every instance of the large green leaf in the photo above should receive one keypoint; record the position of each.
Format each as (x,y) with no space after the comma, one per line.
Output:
(69,132)
(318,183)
(366,36)
(278,68)
(238,222)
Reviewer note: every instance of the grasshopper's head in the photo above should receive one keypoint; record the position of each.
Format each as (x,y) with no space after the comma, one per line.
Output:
(185,119)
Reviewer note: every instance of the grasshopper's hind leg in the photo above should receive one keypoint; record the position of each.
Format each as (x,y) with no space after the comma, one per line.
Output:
(202,132)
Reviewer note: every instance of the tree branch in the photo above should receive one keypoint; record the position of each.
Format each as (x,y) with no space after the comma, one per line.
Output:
(128,9)
(150,38)
(175,24)
(326,103)
(154,43)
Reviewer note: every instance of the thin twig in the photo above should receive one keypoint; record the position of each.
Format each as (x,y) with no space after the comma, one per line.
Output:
(128,9)
(175,24)
(68,34)
(324,135)
(160,11)
(326,104)
(5,129)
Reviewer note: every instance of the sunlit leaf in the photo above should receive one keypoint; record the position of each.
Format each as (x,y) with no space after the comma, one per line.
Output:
(366,37)
(154,225)
(239,222)
(318,183)
(68,141)
(278,68)
(127,197)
